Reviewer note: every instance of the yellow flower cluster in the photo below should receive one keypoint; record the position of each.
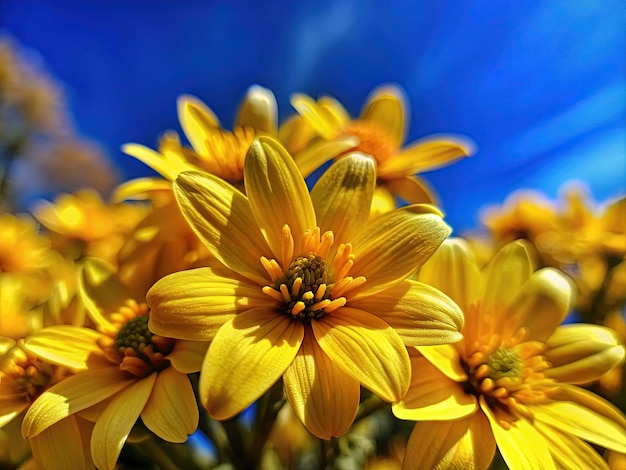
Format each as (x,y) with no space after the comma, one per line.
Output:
(229,301)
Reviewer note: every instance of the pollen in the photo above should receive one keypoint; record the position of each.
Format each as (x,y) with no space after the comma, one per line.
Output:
(304,284)
(373,140)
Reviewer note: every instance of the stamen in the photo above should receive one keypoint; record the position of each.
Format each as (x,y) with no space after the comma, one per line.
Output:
(271,267)
(273,293)
(285,291)
(326,243)
(297,308)
(295,288)
(286,247)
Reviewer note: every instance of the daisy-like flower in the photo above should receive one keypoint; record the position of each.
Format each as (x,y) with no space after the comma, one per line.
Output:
(509,381)
(381,131)
(125,372)
(309,291)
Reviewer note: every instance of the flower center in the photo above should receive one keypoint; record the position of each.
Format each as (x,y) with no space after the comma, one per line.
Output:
(304,289)
(504,363)
(372,140)
(22,375)
(132,346)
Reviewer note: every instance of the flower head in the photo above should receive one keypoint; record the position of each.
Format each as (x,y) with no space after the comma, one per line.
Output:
(508,382)
(380,131)
(307,291)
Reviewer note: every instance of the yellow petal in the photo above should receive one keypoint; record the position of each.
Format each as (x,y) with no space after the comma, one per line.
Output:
(317,153)
(258,110)
(72,395)
(62,446)
(335,109)
(102,292)
(382,202)
(65,345)
(139,189)
(453,270)
(277,192)
(521,445)
(187,356)
(543,302)
(366,348)
(196,119)
(590,401)
(194,304)
(248,355)
(505,274)
(446,358)
(10,408)
(323,121)
(432,396)
(569,451)
(168,166)
(394,245)
(323,396)
(420,314)
(413,190)
(171,411)
(583,422)
(581,353)
(343,195)
(222,218)
(465,444)
(426,154)
(386,107)
(114,424)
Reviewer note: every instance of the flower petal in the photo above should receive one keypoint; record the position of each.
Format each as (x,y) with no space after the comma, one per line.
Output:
(194,304)
(247,356)
(222,218)
(590,401)
(394,245)
(187,356)
(343,195)
(386,107)
(581,353)
(323,121)
(319,152)
(65,345)
(258,110)
(505,274)
(420,314)
(432,396)
(446,358)
(72,395)
(139,189)
(543,302)
(366,348)
(453,270)
(466,443)
(413,190)
(171,411)
(196,119)
(168,165)
(10,408)
(323,396)
(521,446)
(277,192)
(119,417)
(583,422)
(569,451)
(426,154)
(62,446)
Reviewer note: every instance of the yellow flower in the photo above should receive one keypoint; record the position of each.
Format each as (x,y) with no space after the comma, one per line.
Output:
(508,382)
(22,248)
(381,131)
(125,372)
(308,292)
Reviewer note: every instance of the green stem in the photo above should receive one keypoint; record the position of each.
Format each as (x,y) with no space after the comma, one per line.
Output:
(237,444)
(155,452)
(269,406)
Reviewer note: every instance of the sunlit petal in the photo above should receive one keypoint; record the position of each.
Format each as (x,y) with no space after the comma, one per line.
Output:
(221,217)
(248,355)
(9,409)
(413,190)
(62,446)
(343,195)
(394,245)
(115,423)
(187,356)
(277,192)
(166,165)
(71,396)
(323,396)
(420,314)
(258,110)
(194,304)
(171,411)
(366,348)
(446,358)
(65,345)
(386,107)
(196,119)
(317,153)
(433,396)
(323,121)
(453,270)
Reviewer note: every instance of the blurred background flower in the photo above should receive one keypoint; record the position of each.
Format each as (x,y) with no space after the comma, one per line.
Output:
(539,85)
